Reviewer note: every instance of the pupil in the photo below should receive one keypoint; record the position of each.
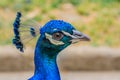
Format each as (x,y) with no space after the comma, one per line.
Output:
(57,35)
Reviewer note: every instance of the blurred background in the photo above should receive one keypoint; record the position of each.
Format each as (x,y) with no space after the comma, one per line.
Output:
(98,59)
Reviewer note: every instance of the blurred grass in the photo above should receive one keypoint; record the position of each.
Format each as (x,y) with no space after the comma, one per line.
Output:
(103,28)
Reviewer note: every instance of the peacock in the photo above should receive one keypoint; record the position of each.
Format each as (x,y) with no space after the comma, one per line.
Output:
(54,36)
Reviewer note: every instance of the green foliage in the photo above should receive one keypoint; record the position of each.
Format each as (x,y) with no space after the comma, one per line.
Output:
(5,3)
(108,41)
(52,17)
(56,3)
(83,12)
(75,2)
(103,28)
(38,18)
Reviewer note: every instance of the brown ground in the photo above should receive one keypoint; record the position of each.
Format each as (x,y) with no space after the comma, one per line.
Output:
(72,58)
(65,75)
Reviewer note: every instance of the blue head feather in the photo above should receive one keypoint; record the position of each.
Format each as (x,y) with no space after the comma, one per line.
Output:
(17,41)
(17,38)
(54,25)
(32,31)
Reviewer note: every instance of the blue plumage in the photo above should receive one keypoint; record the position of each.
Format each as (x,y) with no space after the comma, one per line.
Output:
(55,35)
(17,41)
(16,28)
(54,25)
(32,31)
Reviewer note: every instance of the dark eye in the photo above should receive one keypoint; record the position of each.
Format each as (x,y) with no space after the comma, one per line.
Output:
(57,35)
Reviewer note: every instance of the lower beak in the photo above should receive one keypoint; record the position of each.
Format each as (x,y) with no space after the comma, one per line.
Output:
(78,36)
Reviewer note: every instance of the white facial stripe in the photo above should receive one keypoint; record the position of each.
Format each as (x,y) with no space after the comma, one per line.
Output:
(75,38)
(68,34)
(74,41)
(55,42)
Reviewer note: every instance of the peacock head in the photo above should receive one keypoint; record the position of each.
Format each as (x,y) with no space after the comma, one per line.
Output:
(57,35)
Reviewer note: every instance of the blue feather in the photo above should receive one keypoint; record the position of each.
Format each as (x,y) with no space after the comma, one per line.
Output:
(17,25)
(32,31)
(16,41)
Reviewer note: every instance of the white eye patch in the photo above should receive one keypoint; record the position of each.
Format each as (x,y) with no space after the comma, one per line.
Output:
(53,41)
(68,34)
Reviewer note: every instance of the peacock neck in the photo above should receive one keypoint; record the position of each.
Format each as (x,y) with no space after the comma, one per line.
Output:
(45,66)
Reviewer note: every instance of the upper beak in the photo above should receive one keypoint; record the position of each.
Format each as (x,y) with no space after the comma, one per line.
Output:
(78,36)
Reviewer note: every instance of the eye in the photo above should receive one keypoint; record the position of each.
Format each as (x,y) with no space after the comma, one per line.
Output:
(57,35)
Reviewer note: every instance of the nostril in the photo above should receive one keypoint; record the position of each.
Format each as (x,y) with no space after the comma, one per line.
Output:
(80,35)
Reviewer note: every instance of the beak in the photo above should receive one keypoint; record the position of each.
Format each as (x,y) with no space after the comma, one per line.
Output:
(78,36)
